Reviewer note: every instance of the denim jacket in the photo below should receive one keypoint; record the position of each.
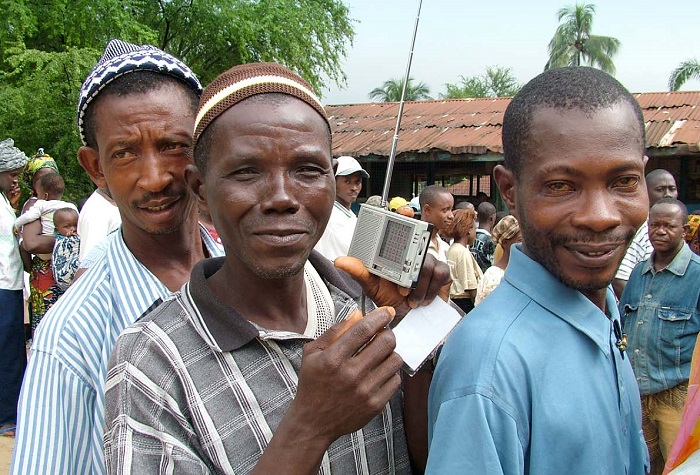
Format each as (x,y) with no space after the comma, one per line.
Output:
(661,314)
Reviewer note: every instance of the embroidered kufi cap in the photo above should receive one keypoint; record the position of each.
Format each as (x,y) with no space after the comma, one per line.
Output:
(122,58)
(246,80)
(11,158)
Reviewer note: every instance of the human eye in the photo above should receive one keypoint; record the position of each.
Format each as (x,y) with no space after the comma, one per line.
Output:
(123,154)
(313,171)
(559,187)
(629,182)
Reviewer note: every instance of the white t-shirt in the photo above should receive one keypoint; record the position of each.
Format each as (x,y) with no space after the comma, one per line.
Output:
(98,217)
(338,234)
(11,269)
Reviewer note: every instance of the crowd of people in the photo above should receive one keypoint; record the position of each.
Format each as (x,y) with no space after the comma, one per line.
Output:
(210,333)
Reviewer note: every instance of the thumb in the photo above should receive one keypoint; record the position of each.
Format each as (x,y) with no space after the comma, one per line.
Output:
(354,267)
(336,331)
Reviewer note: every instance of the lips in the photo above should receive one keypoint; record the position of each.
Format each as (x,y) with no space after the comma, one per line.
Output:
(597,255)
(157,206)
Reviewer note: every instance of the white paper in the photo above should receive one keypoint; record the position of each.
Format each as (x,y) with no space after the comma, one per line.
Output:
(422,330)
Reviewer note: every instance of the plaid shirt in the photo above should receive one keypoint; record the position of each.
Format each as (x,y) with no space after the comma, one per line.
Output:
(194,387)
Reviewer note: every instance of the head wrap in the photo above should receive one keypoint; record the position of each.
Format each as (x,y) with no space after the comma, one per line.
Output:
(38,161)
(506,229)
(122,58)
(11,158)
(693,225)
(246,80)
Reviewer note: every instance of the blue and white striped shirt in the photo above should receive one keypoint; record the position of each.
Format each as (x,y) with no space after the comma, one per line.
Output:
(61,407)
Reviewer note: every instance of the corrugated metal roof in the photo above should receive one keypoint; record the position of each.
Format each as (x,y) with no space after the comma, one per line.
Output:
(473,126)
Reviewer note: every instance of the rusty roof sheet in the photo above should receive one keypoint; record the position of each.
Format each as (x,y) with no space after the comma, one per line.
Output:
(473,126)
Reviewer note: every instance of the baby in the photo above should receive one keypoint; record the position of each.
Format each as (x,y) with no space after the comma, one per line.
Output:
(67,248)
(49,191)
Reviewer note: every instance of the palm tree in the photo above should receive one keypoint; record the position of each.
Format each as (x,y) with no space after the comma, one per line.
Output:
(689,69)
(391,91)
(574,45)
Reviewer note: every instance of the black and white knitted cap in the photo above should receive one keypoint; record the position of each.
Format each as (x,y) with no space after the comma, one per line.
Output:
(122,58)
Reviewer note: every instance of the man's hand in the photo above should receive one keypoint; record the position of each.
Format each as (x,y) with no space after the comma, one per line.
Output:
(434,280)
(347,376)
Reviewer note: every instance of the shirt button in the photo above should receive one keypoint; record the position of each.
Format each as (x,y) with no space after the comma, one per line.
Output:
(639,378)
(636,351)
(648,296)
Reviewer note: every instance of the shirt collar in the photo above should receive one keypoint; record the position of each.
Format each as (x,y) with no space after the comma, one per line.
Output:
(568,304)
(343,209)
(228,329)
(678,265)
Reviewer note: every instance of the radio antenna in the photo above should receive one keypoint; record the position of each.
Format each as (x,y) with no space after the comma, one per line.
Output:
(395,141)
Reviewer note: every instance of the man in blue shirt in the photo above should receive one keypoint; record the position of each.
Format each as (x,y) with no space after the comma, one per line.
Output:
(661,309)
(536,380)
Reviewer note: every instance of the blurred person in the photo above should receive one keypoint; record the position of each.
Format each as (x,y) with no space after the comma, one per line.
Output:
(464,270)
(136,112)
(661,310)
(374,200)
(505,234)
(336,239)
(692,237)
(483,246)
(12,350)
(660,184)
(66,251)
(401,206)
(535,379)
(39,165)
(436,208)
(37,238)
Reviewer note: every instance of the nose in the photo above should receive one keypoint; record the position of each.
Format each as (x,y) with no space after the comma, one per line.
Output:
(598,211)
(668,193)
(279,195)
(155,173)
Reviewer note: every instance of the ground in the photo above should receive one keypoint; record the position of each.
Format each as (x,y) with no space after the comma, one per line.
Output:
(6,444)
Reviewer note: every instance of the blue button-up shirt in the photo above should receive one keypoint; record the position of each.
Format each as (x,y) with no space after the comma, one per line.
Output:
(531,381)
(661,311)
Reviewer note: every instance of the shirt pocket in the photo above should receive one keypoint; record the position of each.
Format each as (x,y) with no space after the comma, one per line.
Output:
(673,322)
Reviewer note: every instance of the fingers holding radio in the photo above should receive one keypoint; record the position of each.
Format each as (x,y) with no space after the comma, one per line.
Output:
(434,281)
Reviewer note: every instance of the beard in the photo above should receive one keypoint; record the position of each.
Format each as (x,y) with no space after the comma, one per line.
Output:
(542,247)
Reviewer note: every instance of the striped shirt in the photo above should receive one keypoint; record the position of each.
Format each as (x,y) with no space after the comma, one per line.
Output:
(194,387)
(639,251)
(61,408)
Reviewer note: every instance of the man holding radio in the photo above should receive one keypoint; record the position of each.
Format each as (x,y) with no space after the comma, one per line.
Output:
(341,225)
(251,367)
(536,380)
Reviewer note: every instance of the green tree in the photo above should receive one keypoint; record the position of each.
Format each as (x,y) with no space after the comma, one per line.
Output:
(687,70)
(573,44)
(391,91)
(48,48)
(497,82)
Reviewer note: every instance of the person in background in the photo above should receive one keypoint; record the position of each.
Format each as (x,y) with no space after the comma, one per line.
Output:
(50,188)
(66,251)
(99,216)
(39,165)
(660,184)
(400,205)
(661,310)
(535,380)
(464,270)
(436,208)
(136,113)
(505,234)
(341,225)
(692,237)
(483,246)
(12,350)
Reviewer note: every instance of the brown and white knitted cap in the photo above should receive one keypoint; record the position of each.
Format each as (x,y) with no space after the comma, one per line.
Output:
(246,80)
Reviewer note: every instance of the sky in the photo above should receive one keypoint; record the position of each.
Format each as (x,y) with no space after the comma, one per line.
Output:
(461,38)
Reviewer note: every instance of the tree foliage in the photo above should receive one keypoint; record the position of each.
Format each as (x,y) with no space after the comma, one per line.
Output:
(497,82)
(391,91)
(573,44)
(47,48)
(687,70)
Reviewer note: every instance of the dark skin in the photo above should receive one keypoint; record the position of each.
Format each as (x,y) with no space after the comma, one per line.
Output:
(667,230)
(144,143)
(269,189)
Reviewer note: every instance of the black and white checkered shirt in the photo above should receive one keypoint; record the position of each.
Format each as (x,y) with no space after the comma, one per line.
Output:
(193,387)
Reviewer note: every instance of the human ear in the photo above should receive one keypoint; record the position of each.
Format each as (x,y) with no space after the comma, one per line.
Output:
(89,159)
(193,178)
(505,180)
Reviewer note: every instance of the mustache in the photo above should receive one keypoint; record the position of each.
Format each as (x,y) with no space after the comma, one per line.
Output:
(167,194)
(594,238)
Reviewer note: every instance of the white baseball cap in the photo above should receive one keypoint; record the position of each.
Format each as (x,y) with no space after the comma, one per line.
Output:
(348,166)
